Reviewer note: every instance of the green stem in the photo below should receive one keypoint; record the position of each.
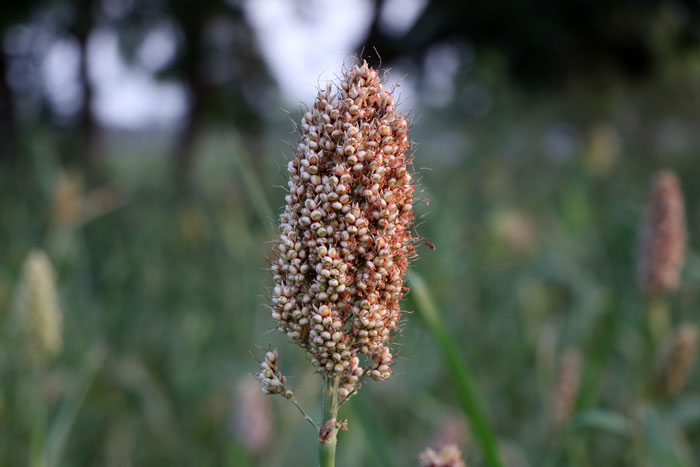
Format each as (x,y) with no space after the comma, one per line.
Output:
(328,434)
(306,417)
(660,326)
(659,319)
(37,453)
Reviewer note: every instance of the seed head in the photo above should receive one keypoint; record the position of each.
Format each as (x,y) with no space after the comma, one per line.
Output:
(345,239)
(350,379)
(270,377)
(253,417)
(36,308)
(452,429)
(662,246)
(568,386)
(448,456)
(676,360)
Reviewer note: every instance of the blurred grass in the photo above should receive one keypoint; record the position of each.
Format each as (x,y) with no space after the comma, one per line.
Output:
(534,210)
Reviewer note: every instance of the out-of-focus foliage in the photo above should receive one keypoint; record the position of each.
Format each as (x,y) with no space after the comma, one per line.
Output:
(547,43)
(208,48)
(534,209)
(533,199)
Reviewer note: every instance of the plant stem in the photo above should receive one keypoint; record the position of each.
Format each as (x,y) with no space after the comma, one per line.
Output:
(306,417)
(659,319)
(328,434)
(37,452)
(660,326)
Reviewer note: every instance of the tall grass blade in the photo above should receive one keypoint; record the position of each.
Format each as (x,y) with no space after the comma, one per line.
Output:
(458,369)
(261,205)
(61,427)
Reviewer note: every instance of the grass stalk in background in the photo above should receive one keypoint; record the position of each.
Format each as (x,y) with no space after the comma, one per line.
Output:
(458,368)
(37,453)
(255,188)
(659,319)
(59,431)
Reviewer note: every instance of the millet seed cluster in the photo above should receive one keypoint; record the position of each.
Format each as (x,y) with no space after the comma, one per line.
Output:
(345,239)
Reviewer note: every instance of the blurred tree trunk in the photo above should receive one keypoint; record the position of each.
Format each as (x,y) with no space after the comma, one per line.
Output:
(8,137)
(378,46)
(235,96)
(184,156)
(89,144)
(191,63)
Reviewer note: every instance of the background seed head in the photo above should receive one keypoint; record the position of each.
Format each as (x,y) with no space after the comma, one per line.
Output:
(447,456)
(253,417)
(662,246)
(567,387)
(37,312)
(345,239)
(675,361)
